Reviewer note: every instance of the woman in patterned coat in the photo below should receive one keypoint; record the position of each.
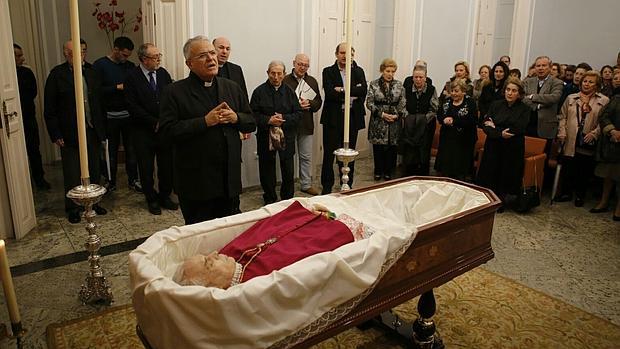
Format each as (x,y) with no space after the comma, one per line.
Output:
(386,102)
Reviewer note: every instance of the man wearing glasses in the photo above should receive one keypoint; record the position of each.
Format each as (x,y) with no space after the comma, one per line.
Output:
(143,88)
(202,116)
(307,91)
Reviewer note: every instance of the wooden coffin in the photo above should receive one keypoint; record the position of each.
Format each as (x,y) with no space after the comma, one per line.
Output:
(443,250)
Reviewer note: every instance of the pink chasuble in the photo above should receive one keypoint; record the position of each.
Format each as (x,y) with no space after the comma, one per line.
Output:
(299,233)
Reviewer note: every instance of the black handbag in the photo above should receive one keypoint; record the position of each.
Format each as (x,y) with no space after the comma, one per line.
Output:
(528,197)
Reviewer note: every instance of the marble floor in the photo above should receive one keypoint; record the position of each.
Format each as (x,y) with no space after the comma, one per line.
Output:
(560,250)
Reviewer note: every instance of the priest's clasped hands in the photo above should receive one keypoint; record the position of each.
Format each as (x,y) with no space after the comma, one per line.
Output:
(222,114)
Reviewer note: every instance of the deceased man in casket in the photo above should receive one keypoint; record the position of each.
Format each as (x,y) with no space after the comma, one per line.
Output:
(280,274)
(271,244)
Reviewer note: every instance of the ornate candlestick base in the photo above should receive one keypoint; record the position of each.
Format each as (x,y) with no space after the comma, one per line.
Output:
(345,155)
(95,288)
(17,333)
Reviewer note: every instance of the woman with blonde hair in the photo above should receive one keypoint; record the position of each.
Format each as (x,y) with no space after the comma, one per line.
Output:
(579,131)
(461,71)
(457,116)
(386,102)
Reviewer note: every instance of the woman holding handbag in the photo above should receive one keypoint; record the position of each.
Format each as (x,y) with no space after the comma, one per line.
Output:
(578,131)
(608,152)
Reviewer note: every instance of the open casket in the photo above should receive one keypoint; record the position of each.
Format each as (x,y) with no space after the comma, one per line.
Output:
(430,230)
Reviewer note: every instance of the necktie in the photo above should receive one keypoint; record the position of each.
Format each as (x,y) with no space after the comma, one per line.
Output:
(152,81)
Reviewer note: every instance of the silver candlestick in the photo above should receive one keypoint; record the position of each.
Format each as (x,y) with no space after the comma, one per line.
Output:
(95,288)
(345,155)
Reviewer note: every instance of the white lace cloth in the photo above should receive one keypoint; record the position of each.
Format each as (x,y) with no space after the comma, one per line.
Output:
(267,309)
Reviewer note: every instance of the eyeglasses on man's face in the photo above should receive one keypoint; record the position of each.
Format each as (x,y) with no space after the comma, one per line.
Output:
(155,57)
(204,56)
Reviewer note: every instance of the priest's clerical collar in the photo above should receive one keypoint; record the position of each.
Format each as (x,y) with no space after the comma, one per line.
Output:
(208,83)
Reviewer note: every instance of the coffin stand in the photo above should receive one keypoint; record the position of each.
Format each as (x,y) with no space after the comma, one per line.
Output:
(442,250)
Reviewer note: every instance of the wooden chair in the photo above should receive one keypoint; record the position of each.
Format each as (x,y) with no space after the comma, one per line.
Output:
(479,149)
(435,145)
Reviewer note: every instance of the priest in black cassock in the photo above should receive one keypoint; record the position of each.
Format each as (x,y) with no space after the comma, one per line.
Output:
(202,116)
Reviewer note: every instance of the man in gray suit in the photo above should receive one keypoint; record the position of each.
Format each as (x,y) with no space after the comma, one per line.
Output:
(542,94)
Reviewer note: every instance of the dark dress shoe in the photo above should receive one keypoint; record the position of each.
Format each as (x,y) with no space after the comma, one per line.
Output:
(616,218)
(168,204)
(578,202)
(563,198)
(377,177)
(599,210)
(154,208)
(100,211)
(387,177)
(74,216)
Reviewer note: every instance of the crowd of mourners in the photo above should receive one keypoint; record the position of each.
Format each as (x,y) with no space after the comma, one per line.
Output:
(574,108)
(194,128)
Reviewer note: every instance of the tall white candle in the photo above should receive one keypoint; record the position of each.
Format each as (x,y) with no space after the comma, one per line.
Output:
(79,92)
(7,285)
(347,73)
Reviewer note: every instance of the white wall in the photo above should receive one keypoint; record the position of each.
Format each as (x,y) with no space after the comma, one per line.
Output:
(384,34)
(573,31)
(503,29)
(444,36)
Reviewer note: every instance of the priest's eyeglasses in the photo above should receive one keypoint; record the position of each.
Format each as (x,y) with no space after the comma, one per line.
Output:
(204,56)
(155,57)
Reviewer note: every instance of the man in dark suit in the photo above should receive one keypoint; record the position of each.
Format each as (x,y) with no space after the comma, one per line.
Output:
(231,71)
(27,93)
(275,105)
(332,117)
(203,115)
(143,87)
(61,119)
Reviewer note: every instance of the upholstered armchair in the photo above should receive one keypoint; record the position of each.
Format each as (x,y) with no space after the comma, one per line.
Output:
(535,156)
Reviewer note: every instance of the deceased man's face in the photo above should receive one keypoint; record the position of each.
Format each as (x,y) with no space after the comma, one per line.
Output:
(213,270)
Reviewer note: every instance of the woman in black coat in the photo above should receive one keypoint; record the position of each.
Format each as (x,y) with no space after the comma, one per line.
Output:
(501,167)
(494,91)
(457,137)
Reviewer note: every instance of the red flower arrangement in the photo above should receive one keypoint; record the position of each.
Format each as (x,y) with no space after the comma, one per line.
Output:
(113,22)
